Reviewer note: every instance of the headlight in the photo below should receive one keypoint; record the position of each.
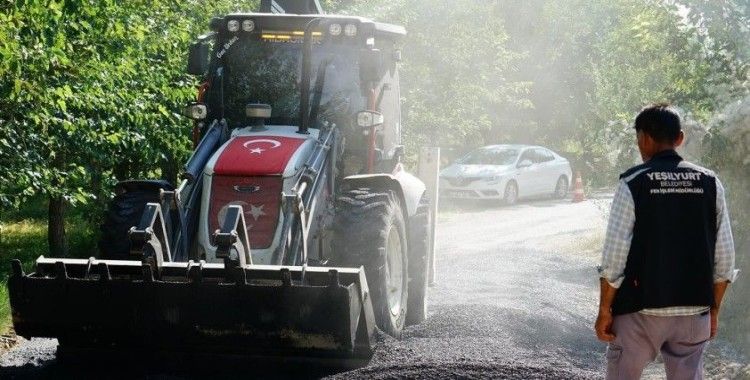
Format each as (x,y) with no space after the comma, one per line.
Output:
(233,25)
(248,25)
(350,30)
(334,29)
(493,178)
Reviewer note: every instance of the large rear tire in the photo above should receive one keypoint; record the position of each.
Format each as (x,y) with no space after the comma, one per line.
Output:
(125,211)
(419,262)
(370,232)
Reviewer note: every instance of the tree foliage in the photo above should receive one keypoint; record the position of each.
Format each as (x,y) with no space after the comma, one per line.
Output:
(457,86)
(569,74)
(91,91)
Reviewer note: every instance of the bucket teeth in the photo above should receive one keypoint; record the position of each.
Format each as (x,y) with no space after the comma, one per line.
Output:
(195,273)
(333,278)
(240,277)
(104,272)
(148,273)
(16,268)
(286,277)
(60,271)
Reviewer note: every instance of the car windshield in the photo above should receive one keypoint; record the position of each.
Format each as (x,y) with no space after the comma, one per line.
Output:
(487,156)
(268,71)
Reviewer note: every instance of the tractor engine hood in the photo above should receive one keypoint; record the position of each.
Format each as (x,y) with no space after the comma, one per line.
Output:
(252,170)
(257,155)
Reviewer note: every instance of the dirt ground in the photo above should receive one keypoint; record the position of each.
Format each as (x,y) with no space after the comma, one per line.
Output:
(515,298)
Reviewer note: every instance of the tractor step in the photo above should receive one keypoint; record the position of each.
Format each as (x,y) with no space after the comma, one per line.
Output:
(184,308)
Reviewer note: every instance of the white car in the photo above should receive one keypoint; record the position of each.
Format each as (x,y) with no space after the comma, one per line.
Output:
(506,173)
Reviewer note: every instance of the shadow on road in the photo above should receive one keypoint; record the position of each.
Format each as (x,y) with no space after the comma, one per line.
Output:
(172,369)
(483,205)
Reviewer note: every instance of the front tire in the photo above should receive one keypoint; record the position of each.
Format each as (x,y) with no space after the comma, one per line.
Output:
(561,188)
(370,231)
(124,211)
(510,196)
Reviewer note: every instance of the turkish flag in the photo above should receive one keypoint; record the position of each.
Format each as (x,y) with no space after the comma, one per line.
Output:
(260,198)
(257,155)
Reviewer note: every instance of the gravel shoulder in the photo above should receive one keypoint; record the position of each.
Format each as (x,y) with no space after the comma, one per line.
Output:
(516,298)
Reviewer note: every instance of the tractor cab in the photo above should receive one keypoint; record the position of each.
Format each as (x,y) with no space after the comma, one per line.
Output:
(282,85)
(312,70)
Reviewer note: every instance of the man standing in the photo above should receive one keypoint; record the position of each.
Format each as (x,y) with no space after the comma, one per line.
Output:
(668,257)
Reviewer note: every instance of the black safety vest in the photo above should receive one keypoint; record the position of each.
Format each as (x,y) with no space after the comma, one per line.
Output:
(671,256)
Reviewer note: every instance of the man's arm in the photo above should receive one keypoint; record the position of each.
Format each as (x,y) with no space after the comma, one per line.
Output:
(724,270)
(719,289)
(604,320)
(614,257)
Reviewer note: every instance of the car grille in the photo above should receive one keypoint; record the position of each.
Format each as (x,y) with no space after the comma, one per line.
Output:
(459,194)
(461,181)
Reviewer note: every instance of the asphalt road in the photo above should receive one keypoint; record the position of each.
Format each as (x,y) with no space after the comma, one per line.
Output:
(515,298)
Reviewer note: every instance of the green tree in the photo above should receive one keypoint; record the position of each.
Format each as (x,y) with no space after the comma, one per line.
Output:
(90,94)
(456,89)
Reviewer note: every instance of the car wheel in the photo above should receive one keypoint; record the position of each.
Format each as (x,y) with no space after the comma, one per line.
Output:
(511,193)
(561,189)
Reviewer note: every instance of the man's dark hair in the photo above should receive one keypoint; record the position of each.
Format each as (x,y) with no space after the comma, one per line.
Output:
(660,121)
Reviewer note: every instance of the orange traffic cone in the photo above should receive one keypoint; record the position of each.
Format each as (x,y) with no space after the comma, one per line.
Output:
(578,195)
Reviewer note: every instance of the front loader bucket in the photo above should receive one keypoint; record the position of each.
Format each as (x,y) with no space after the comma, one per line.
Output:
(191,307)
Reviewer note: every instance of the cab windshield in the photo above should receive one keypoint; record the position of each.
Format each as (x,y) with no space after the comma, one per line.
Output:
(268,71)
(486,156)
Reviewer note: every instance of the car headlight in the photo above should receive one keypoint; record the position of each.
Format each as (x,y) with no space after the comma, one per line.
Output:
(493,178)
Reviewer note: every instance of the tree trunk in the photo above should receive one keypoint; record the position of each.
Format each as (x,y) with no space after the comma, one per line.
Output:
(169,170)
(58,241)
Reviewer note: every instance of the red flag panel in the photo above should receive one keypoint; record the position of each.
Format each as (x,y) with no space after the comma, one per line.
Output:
(257,155)
(260,198)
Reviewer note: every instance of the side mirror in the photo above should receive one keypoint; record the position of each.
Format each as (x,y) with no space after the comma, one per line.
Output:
(198,58)
(196,111)
(525,164)
(370,65)
(369,119)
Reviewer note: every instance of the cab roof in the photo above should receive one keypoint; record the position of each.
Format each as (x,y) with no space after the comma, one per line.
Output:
(285,20)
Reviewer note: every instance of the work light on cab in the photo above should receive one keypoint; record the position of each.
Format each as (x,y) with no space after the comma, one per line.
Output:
(233,25)
(258,110)
(334,29)
(196,111)
(350,30)
(248,25)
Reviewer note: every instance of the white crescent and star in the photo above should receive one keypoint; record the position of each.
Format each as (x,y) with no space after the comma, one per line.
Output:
(256,211)
(258,150)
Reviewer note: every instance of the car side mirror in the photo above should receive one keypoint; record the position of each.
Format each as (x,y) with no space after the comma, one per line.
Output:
(370,65)
(525,164)
(198,58)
